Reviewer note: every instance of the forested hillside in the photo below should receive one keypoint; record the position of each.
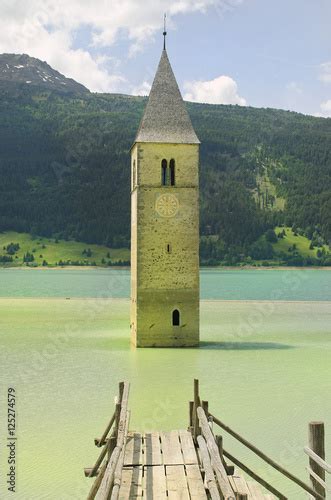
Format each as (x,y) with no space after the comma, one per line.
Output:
(65,170)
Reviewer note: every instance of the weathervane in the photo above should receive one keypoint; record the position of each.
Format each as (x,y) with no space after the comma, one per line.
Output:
(164,31)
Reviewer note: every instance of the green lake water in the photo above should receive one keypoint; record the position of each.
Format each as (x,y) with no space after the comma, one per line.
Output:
(264,365)
(259,284)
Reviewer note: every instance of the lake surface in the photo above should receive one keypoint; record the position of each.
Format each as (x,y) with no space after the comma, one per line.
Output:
(246,284)
(264,366)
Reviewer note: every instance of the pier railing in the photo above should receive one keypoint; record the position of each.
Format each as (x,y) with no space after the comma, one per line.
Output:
(201,424)
(108,466)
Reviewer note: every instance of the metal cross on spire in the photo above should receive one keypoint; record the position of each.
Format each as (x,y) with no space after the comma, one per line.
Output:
(164,31)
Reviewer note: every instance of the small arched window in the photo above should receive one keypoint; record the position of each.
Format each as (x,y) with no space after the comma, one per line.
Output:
(175,318)
(172,172)
(164,165)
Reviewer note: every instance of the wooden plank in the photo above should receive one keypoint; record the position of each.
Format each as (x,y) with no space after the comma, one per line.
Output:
(255,491)
(240,485)
(152,449)
(215,459)
(176,483)
(171,449)
(188,448)
(131,486)
(195,482)
(155,485)
(133,450)
(209,474)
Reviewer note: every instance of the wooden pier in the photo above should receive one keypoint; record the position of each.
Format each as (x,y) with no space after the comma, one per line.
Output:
(189,464)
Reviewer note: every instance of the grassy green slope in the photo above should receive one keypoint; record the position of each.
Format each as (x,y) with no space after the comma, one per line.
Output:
(71,252)
(53,253)
(301,242)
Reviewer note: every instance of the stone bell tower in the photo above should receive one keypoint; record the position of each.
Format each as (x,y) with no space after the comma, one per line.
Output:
(165,220)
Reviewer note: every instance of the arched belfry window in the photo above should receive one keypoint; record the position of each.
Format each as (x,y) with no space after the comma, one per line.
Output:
(172,172)
(175,318)
(164,167)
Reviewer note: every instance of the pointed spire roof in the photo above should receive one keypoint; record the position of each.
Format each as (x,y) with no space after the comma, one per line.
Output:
(166,118)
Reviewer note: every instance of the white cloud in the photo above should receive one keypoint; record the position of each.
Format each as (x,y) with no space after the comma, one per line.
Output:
(221,90)
(325,109)
(142,89)
(325,75)
(46,28)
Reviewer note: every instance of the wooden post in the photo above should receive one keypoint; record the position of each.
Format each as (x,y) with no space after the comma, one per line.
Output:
(317,445)
(196,429)
(219,442)
(191,408)
(117,416)
(229,468)
(120,391)
(204,405)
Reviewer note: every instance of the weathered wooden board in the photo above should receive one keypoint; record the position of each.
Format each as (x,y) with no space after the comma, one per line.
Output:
(155,485)
(131,484)
(133,450)
(239,485)
(188,449)
(171,448)
(195,482)
(210,480)
(152,449)
(176,483)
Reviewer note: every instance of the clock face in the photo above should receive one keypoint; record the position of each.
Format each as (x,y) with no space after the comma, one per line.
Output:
(167,205)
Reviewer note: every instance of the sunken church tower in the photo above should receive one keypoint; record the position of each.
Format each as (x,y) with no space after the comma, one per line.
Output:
(165,220)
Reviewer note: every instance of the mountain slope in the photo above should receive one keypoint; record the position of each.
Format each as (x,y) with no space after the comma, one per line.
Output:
(65,168)
(21,70)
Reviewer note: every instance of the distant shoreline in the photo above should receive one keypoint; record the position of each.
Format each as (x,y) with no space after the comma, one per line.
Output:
(225,268)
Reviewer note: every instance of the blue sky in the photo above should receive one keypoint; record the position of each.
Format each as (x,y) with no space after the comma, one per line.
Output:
(262,53)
